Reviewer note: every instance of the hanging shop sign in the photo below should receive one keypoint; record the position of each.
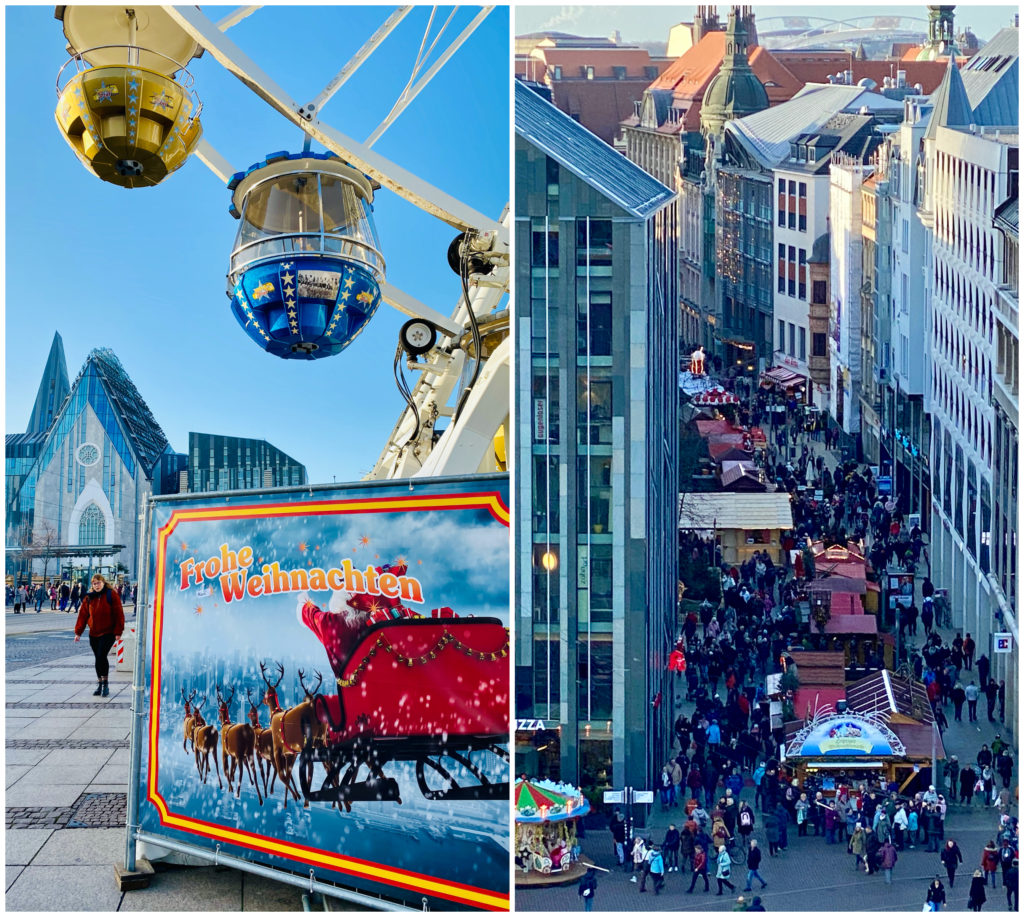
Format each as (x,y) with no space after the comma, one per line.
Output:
(846,735)
(327,686)
(1002,643)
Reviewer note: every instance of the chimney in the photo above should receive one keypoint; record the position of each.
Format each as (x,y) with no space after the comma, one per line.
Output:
(901,79)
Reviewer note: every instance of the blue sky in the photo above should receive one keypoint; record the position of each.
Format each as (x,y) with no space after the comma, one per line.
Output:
(142,271)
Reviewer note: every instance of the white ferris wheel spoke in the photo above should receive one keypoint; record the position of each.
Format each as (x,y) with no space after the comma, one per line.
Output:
(421,194)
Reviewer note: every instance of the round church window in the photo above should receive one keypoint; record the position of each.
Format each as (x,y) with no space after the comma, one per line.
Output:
(88,454)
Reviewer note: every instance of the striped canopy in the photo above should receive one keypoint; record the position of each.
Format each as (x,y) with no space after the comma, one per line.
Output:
(544,800)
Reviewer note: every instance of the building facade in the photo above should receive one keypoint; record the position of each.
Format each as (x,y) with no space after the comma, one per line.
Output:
(233,463)
(969,170)
(596,376)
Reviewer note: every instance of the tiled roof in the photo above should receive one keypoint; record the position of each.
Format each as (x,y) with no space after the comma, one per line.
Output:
(735,511)
(587,156)
(601,59)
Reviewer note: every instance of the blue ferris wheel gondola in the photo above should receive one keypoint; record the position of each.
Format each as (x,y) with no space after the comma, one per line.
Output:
(306,267)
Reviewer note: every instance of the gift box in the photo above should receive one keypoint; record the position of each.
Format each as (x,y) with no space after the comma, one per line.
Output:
(445,612)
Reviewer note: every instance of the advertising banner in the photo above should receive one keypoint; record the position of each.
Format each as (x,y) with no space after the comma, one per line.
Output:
(327,685)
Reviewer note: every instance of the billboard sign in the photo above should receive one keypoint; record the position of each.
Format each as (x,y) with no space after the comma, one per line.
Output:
(327,689)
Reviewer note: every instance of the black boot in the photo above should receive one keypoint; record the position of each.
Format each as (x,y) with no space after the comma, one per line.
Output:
(105,687)
(99,689)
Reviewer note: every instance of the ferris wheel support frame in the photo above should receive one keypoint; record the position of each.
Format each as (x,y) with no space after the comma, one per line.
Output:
(410,187)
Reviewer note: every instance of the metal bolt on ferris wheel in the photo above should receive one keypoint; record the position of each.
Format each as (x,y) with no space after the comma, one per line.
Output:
(306,272)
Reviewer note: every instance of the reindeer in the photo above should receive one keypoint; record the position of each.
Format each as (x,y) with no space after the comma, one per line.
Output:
(238,742)
(264,746)
(190,719)
(283,759)
(204,738)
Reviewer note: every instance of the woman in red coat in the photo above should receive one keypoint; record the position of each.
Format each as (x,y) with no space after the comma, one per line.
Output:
(103,614)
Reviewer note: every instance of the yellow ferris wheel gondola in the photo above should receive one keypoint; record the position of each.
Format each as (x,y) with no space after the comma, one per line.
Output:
(129,112)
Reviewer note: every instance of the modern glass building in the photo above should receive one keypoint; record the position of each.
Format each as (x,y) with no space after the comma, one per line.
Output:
(596,308)
(232,463)
(83,478)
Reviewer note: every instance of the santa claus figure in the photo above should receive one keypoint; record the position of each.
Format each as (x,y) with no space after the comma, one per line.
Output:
(339,628)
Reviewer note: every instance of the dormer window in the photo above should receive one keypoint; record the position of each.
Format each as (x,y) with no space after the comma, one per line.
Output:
(590,73)
(619,73)
(556,72)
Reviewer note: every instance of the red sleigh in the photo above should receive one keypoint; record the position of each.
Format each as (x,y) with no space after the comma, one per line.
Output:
(434,691)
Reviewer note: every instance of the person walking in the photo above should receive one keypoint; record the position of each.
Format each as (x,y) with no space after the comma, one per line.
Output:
(990,862)
(887,858)
(753,863)
(936,896)
(700,869)
(858,846)
(991,696)
(102,613)
(638,854)
(976,896)
(972,693)
(657,870)
(723,871)
(951,857)
(588,888)
(618,830)
(1010,883)
(40,595)
(20,598)
(871,848)
(671,847)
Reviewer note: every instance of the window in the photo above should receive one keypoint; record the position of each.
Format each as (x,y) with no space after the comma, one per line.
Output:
(539,258)
(92,529)
(782,335)
(557,72)
(792,339)
(651,73)
(782,269)
(791,285)
(791,205)
(619,73)
(820,296)
(818,343)
(782,202)
(802,213)
(803,344)
(802,292)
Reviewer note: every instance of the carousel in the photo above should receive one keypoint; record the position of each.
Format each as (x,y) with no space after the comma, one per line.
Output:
(547,848)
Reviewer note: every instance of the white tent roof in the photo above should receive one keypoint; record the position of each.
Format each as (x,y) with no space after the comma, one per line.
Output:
(735,511)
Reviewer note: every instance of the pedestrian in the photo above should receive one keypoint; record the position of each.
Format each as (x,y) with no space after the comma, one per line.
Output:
(40,595)
(588,888)
(753,863)
(976,896)
(102,613)
(53,596)
(991,696)
(656,864)
(65,593)
(756,904)
(700,869)
(671,847)
(871,847)
(638,855)
(971,692)
(858,846)
(1002,701)
(618,830)
(951,857)
(936,896)
(1010,883)
(983,668)
(741,904)
(990,862)
(887,858)
(723,871)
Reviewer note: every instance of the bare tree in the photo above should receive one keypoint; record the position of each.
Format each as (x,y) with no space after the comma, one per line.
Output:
(46,539)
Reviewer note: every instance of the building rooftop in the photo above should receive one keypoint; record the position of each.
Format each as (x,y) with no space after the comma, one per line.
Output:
(884,692)
(698,511)
(1006,215)
(587,156)
(991,80)
(767,134)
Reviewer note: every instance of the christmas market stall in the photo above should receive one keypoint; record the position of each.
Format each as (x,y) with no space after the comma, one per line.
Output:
(849,750)
(743,523)
(547,847)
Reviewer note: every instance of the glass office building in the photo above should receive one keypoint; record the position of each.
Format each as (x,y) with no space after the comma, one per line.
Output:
(232,463)
(597,309)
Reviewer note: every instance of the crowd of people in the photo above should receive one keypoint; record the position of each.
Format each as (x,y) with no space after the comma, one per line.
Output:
(728,740)
(57,595)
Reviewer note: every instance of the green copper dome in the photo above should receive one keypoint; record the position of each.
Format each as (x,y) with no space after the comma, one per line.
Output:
(735,92)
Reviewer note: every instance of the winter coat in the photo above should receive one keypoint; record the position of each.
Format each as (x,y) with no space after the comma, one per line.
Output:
(858,843)
(990,859)
(887,856)
(700,862)
(102,612)
(950,856)
(754,858)
(588,885)
(976,896)
(724,866)
(936,894)
(771,828)
(672,839)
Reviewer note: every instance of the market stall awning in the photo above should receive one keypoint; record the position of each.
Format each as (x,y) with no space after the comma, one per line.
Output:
(851,624)
(725,510)
(780,375)
(714,396)
(712,427)
(545,800)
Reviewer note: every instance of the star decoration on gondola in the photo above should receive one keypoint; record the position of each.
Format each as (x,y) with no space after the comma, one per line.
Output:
(199,609)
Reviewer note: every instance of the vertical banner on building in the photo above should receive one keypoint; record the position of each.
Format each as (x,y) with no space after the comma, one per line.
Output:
(328,684)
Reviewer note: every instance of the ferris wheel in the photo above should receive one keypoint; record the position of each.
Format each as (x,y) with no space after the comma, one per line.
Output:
(307,272)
